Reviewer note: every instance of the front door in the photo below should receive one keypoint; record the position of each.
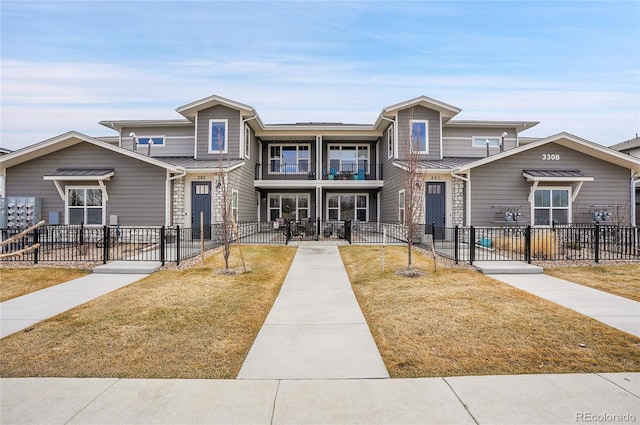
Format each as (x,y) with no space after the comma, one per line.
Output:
(435,208)
(201,203)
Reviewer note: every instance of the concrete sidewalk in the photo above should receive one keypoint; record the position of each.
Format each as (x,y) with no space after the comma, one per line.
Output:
(618,312)
(25,311)
(315,329)
(521,399)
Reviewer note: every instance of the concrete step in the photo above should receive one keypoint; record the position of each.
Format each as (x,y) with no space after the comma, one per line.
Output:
(507,267)
(128,267)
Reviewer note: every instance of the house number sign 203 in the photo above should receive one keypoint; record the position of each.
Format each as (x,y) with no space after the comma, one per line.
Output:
(550,157)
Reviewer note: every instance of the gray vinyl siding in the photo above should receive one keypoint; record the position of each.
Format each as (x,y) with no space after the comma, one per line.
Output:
(242,180)
(404,128)
(179,141)
(393,182)
(136,191)
(233,132)
(502,183)
(458,142)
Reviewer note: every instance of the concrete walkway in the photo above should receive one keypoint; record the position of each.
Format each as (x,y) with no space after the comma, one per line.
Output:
(618,312)
(521,399)
(25,311)
(315,329)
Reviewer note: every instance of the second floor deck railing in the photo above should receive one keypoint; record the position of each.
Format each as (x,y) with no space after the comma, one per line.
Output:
(308,171)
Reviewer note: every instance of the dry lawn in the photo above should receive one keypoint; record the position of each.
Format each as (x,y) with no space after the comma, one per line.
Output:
(623,280)
(18,282)
(173,324)
(460,322)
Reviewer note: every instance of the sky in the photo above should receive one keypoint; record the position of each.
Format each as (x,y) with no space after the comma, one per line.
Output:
(572,65)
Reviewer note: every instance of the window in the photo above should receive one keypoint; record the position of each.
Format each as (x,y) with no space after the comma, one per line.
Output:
(481,141)
(234,204)
(153,140)
(551,205)
(218,136)
(247,141)
(390,142)
(401,206)
(349,158)
(348,207)
(288,206)
(289,159)
(419,139)
(85,205)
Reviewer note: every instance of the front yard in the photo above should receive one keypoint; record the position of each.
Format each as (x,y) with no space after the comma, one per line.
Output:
(460,322)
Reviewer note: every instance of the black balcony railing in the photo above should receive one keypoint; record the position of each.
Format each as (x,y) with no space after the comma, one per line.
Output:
(307,171)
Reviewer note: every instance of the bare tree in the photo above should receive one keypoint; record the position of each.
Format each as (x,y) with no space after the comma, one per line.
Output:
(224,188)
(413,185)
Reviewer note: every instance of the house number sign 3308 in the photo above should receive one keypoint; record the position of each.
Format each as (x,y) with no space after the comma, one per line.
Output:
(550,157)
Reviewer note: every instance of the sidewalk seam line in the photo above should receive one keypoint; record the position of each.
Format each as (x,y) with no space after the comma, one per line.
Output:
(461,402)
(275,399)
(622,388)
(92,400)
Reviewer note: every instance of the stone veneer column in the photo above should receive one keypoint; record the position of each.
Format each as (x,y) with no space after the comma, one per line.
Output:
(178,206)
(458,202)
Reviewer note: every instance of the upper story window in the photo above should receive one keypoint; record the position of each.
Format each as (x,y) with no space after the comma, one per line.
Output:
(150,140)
(419,139)
(391,147)
(247,141)
(218,129)
(481,142)
(289,159)
(348,158)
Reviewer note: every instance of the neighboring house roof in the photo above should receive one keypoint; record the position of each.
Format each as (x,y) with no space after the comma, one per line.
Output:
(627,145)
(435,165)
(191,164)
(118,125)
(69,139)
(4,151)
(519,125)
(565,139)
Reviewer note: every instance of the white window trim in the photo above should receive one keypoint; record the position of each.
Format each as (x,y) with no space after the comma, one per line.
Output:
(368,169)
(152,137)
(66,203)
(297,146)
(355,204)
(226,135)
(391,148)
(481,141)
(246,149)
(280,195)
(235,195)
(426,136)
(402,206)
(551,208)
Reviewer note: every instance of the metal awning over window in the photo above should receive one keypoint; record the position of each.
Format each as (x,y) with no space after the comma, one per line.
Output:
(98,175)
(556,176)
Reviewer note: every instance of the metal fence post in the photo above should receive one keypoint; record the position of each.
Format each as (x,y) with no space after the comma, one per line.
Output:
(597,241)
(105,244)
(177,245)
(347,231)
(472,245)
(527,244)
(36,239)
(162,245)
(456,241)
(287,232)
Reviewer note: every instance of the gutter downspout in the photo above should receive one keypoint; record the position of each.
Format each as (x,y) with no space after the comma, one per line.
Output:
(634,182)
(467,206)
(167,196)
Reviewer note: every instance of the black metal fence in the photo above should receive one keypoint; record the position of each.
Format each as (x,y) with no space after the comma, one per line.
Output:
(590,242)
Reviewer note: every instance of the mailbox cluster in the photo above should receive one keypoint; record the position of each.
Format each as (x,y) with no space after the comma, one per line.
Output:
(18,212)
(601,215)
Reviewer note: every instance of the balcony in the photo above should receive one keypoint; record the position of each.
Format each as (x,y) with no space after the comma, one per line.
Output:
(307,171)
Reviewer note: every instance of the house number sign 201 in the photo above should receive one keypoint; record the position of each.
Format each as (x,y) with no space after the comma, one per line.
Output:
(550,157)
